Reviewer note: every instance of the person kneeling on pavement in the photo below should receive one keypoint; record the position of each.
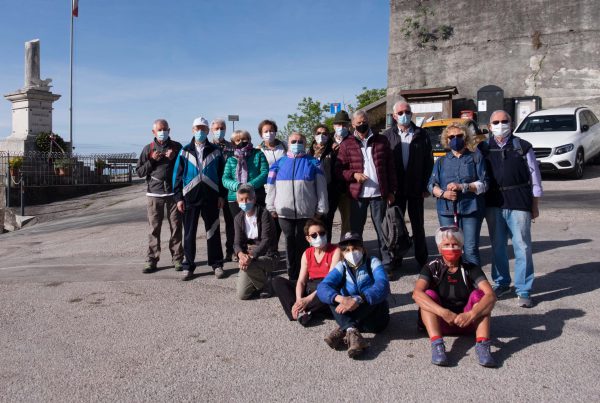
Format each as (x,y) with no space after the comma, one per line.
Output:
(253,245)
(454,298)
(356,291)
(300,302)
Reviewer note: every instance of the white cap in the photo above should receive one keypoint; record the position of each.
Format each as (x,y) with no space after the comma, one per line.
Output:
(200,122)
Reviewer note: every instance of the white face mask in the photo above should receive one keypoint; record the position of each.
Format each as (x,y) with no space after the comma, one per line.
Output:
(501,130)
(319,242)
(268,137)
(321,139)
(354,257)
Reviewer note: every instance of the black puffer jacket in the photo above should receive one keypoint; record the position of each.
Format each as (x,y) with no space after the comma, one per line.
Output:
(158,174)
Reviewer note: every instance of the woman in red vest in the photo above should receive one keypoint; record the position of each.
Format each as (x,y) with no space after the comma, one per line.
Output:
(300,301)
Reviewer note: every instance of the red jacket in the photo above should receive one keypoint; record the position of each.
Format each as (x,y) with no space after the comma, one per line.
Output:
(350,161)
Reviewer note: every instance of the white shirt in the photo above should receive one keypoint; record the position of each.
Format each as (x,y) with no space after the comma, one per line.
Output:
(370,187)
(199,149)
(251,226)
(405,138)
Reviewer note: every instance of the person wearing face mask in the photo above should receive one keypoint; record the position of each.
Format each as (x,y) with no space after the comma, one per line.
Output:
(366,165)
(156,163)
(413,160)
(248,165)
(356,290)
(458,181)
(218,128)
(198,191)
(511,204)
(300,301)
(253,244)
(296,191)
(454,298)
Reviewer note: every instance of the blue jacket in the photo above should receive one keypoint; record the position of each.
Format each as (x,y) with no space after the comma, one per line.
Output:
(198,181)
(371,283)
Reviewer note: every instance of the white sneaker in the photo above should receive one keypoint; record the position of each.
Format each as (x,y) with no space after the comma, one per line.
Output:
(524,302)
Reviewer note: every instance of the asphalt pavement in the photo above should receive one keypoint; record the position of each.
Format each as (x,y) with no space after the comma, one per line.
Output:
(80,322)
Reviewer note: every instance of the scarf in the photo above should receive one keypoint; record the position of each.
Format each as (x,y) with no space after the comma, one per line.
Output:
(242,154)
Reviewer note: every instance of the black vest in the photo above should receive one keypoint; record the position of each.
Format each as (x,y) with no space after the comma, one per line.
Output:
(510,179)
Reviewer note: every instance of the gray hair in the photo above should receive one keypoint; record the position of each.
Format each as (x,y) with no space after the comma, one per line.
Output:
(239,133)
(246,189)
(360,113)
(449,232)
(401,101)
(159,121)
(218,121)
(501,111)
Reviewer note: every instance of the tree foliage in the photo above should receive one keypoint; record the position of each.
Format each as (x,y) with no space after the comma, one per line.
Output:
(368,96)
(310,114)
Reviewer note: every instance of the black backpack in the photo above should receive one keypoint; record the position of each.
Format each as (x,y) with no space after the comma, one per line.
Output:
(395,235)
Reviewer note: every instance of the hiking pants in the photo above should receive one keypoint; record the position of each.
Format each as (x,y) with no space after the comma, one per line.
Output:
(156,212)
(210,216)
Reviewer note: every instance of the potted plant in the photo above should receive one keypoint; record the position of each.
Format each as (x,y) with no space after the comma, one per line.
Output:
(100,165)
(14,165)
(62,166)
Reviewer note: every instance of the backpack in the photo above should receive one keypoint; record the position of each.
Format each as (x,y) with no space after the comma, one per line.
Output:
(394,232)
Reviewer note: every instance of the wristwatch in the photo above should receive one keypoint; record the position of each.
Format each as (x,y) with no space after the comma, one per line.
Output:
(358,299)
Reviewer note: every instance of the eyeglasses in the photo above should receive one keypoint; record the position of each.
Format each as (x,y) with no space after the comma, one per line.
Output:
(403,112)
(451,136)
(296,141)
(505,121)
(314,235)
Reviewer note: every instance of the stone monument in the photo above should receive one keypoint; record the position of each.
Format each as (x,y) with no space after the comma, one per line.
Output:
(31,105)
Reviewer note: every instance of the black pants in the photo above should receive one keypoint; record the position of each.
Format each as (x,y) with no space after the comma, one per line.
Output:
(234,208)
(416,213)
(210,216)
(366,318)
(333,197)
(358,217)
(295,244)
(286,292)
(229,230)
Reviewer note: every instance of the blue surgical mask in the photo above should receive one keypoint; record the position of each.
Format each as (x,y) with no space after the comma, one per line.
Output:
(218,134)
(457,143)
(297,148)
(404,120)
(341,131)
(245,207)
(162,135)
(200,136)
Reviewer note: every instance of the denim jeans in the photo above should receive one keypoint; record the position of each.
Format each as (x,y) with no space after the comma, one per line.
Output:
(516,224)
(471,227)
(358,218)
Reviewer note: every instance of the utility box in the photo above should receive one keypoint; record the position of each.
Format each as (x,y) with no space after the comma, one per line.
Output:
(523,106)
(430,103)
(489,99)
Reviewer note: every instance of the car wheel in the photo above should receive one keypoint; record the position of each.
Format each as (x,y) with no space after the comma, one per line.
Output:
(578,168)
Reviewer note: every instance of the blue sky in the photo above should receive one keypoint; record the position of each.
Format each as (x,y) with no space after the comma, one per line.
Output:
(138,60)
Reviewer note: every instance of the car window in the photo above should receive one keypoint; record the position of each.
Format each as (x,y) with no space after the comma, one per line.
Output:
(550,123)
(434,134)
(583,120)
(592,118)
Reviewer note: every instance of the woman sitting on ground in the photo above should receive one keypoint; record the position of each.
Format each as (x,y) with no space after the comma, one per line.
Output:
(300,302)
(356,291)
(454,297)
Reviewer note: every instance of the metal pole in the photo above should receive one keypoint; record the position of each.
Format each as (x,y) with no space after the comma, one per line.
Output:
(9,179)
(71,86)
(22,197)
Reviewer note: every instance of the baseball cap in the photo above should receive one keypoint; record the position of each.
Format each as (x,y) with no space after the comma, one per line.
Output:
(200,122)
(350,237)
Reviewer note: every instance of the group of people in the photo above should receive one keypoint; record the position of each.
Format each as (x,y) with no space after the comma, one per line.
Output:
(296,188)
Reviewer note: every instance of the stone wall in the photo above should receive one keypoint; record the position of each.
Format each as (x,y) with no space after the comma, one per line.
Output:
(538,47)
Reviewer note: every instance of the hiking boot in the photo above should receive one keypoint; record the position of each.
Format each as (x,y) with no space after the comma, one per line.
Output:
(335,338)
(304,318)
(219,273)
(187,275)
(266,291)
(501,290)
(524,301)
(438,353)
(484,355)
(149,267)
(177,265)
(356,343)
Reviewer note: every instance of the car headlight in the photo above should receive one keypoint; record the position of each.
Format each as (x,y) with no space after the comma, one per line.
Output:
(564,149)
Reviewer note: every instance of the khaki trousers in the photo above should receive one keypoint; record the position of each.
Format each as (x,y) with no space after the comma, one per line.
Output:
(156,212)
(255,277)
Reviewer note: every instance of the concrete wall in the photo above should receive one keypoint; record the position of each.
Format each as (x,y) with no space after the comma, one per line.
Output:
(495,42)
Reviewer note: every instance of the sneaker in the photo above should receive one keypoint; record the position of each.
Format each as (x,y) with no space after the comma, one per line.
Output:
(304,318)
(266,291)
(219,273)
(149,267)
(501,290)
(187,275)
(438,353)
(335,338)
(356,343)
(234,257)
(484,355)
(524,301)
(178,266)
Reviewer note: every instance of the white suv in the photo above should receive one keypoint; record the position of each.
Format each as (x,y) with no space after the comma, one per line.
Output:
(563,139)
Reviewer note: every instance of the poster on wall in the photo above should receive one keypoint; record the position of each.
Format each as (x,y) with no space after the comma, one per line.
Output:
(482,106)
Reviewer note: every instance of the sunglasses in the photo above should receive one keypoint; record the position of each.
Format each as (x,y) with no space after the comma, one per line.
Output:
(296,141)
(314,235)
(403,112)
(495,122)
(451,136)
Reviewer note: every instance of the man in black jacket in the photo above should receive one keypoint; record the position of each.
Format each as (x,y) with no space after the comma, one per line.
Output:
(414,162)
(156,165)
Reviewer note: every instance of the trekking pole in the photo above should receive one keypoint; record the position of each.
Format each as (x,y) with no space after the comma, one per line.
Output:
(455,208)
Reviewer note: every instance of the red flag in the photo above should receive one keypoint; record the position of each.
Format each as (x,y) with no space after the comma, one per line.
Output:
(75,8)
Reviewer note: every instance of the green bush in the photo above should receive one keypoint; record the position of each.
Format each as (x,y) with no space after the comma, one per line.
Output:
(62,163)
(42,142)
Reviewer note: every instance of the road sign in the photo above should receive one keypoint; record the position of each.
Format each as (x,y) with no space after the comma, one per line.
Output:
(233,118)
(335,108)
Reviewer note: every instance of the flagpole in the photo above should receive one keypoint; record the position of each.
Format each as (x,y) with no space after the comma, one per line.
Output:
(71,86)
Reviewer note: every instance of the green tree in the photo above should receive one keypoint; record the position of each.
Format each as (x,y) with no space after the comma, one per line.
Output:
(368,96)
(310,114)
